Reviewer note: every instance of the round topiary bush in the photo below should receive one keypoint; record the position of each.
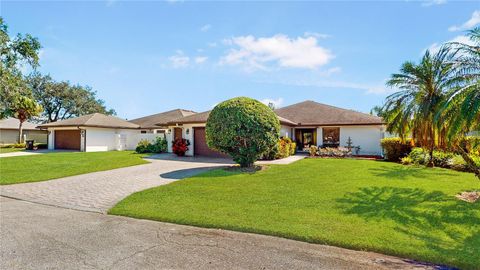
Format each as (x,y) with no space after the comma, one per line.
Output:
(243,128)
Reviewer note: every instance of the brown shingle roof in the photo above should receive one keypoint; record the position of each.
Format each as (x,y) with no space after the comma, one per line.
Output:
(203,117)
(93,120)
(12,123)
(191,119)
(161,119)
(312,113)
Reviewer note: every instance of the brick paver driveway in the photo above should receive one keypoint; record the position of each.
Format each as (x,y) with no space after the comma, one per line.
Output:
(99,191)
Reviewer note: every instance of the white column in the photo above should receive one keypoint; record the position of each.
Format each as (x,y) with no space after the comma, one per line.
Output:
(319,136)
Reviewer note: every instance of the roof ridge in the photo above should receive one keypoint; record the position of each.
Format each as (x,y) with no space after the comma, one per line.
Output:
(90,116)
(327,105)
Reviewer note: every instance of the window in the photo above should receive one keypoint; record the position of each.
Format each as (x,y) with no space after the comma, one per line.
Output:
(143,131)
(331,137)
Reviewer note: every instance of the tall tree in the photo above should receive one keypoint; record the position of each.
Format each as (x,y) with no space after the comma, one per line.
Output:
(61,100)
(412,110)
(22,50)
(461,109)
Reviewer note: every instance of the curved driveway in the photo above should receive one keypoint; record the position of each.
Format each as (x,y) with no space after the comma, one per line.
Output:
(99,191)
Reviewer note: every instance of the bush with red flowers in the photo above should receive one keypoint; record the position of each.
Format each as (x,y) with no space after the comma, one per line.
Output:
(180,146)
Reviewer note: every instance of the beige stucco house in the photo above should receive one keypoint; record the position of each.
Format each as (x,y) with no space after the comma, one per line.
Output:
(9,131)
(307,123)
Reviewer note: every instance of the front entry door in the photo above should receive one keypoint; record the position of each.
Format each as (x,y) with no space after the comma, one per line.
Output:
(305,138)
(177,133)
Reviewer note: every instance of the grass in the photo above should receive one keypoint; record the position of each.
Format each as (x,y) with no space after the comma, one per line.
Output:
(9,150)
(358,204)
(42,167)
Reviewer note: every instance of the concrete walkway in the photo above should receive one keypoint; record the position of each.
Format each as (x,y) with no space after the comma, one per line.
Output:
(283,161)
(34,236)
(99,191)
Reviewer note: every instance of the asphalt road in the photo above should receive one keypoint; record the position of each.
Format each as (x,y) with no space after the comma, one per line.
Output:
(35,236)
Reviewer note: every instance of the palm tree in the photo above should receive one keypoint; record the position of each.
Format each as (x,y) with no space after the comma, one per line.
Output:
(422,87)
(462,107)
(22,108)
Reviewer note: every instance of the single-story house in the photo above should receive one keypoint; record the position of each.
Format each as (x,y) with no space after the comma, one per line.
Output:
(192,128)
(9,131)
(99,132)
(158,123)
(92,132)
(307,123)
(325,125)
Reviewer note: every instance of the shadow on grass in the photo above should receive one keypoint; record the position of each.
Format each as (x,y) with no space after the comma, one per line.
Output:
(448,227)
(197,172)
(403,172)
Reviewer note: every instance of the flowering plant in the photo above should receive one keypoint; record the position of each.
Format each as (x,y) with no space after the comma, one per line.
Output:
(180,146)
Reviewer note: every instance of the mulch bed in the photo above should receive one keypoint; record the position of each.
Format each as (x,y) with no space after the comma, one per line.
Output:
(469,196)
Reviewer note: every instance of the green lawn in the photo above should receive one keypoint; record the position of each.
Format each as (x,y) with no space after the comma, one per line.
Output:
(55,165)
(358,204)
(9,150)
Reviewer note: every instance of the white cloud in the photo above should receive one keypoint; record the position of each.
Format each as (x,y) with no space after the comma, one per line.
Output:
(428,3)
(205,28)
(276,102)
(257,53)
(317,35)
(473,21)
(179,60)
(435,47)
(377,88)
(200,59)
(212,44)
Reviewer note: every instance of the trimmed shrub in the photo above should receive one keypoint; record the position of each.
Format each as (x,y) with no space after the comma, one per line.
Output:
(395,149)
(293,148)
(284,148)
(159,145)
(419,156)
(313,151)
(442,159)
(143,146)
(243,128)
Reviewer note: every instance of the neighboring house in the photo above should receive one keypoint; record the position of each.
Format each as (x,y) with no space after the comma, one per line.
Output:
(308,123)
(158,123)
(9,131)
(93,132)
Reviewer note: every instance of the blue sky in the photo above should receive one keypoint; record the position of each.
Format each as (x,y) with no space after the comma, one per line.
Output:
(147,57)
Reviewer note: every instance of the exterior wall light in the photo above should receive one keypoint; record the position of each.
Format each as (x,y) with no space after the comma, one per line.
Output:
(187,131)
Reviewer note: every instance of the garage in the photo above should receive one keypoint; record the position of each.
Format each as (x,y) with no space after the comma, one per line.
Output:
(67,139)
(200,145)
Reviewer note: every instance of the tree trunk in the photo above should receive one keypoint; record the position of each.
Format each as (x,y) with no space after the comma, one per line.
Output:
(20,132)
(430,162)
(470,162)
